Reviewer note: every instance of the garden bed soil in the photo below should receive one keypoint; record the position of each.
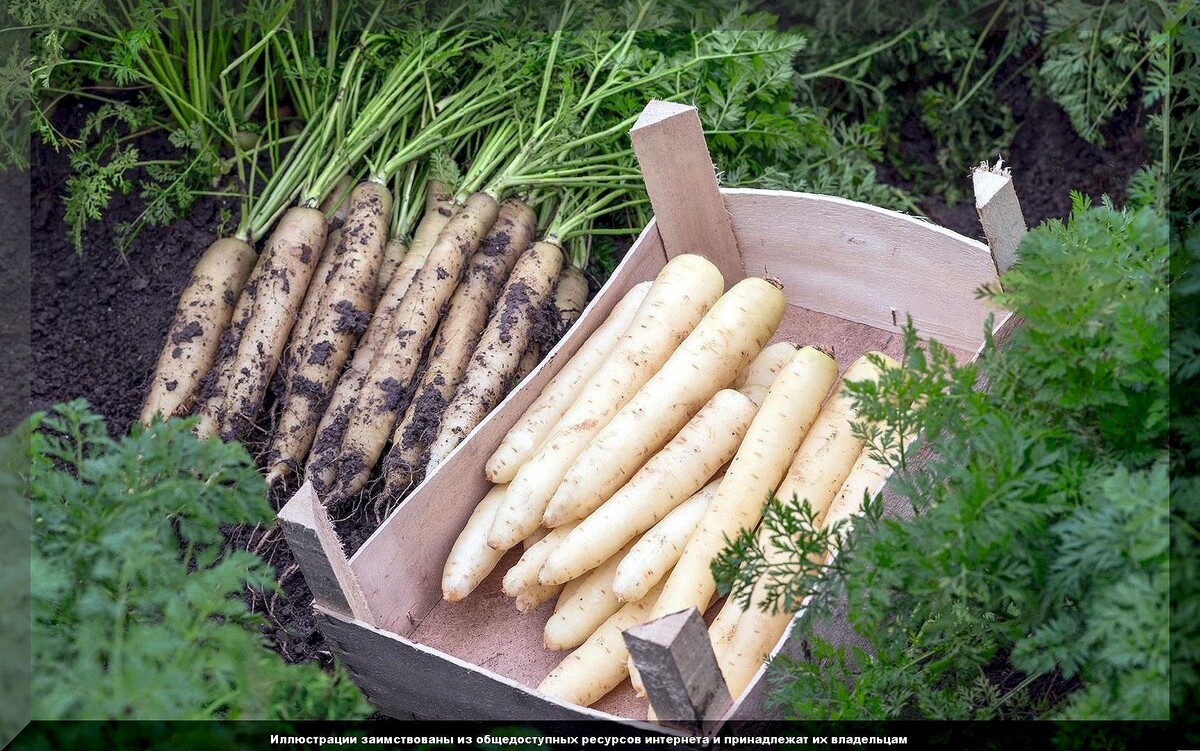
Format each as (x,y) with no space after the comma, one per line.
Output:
(98,319)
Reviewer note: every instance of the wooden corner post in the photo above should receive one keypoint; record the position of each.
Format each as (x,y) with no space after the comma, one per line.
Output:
(682,183)
(677,665)
(999,212)
(310,535)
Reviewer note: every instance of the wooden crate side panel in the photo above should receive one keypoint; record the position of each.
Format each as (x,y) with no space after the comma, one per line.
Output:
(402,678)
(863,263)
(400,565)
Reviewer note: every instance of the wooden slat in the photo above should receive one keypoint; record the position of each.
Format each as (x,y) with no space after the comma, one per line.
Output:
(999,213)
(336,555)
(674,656)
(864,263)
(402,678)
(300,530)
(400,565)
(682,183)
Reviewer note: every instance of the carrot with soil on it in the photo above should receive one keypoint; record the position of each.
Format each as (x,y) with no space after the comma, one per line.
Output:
(346,302)
(524,438)
(790,407)
(337,204)
(387,386)
(291,258)
(570,298)
(311,171)
(456,337)
(385,389)
(393,255)
(295,352)
(487,374)
(439,207)
(412,194)
(202,315)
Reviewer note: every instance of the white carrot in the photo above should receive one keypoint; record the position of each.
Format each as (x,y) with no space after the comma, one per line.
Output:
(818,471)
(471,560)
(760,373)
(682,467)
(393,255)
(655,553)
(308,309)
(682,292)
(591,603)
(524,573)
(728,337)
(791,405)
(600,663)
(340,316)
(530,598)
(539,419)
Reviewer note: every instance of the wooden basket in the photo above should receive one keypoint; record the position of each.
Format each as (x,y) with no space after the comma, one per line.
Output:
(851,273)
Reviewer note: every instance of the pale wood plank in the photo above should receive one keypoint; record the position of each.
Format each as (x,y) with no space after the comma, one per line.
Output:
(675,659)
(864,263)
(682,183)
(310,535)
(336,555)
(403,678)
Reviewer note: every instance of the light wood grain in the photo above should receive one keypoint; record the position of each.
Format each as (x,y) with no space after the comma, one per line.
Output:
(403,678)
(682,184)
(674,656)
(864,263)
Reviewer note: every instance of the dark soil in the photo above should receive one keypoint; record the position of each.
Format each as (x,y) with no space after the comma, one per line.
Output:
(98,320)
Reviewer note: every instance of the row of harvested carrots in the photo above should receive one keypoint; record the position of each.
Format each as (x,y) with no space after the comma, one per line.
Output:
(661,439)
(349,317)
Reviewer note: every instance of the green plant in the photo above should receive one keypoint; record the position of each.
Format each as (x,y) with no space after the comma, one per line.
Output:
(939,74)
(1038,553)
(138,608)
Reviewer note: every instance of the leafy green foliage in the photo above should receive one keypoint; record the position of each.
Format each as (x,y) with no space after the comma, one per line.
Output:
(1096,55)
(794,530)
(137,605)
(934,68)
(1038,552)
